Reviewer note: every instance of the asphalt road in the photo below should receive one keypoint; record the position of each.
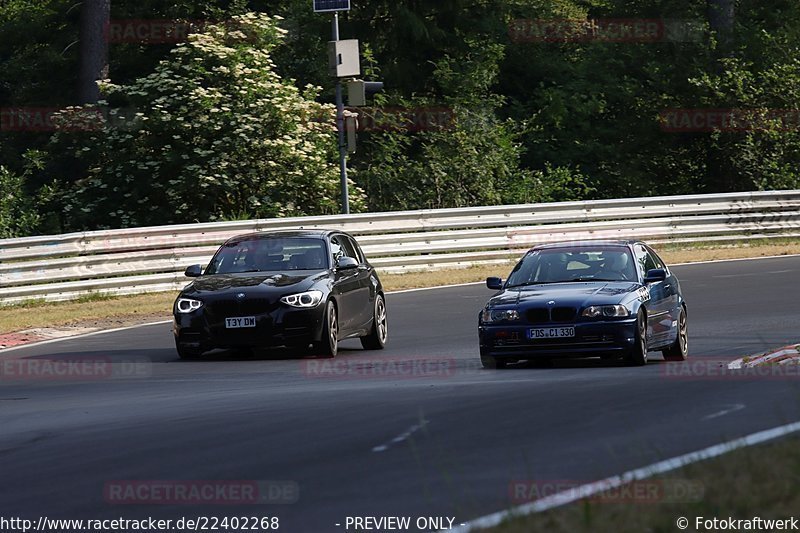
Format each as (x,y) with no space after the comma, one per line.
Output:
(415,430)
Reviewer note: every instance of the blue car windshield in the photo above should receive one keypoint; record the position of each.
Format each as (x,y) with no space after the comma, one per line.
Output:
(563,265)
(271,254)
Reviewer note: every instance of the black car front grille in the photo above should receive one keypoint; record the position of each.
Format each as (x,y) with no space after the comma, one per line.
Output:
(543,315)
(563,314)
(232,308)
(538,316)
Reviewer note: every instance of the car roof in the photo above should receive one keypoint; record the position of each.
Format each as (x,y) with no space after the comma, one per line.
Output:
(584,244)
(307,233)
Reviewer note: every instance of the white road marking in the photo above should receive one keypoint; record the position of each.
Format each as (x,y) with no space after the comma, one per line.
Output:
(748,274)
(3,351)
(731,409)
(437,287)
(733,260)
(661,467)
(400,438)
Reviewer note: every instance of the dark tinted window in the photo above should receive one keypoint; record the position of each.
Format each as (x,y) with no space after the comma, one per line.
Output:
(359,254)
(341,247)
(645,259)
(269,254)
(656,259)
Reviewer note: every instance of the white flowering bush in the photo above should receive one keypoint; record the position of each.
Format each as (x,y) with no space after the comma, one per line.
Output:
(214,133)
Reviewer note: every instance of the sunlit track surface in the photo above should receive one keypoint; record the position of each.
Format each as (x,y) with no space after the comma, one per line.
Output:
(364,437)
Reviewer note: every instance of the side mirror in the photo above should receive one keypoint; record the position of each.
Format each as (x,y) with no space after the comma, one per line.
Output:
(194,271)
(655,275)
(346,263)
(494,283)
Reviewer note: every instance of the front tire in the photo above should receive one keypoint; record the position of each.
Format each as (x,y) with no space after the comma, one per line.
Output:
(328,346)
(376,340)
(491,362)
(188,354)
(679,350)
(638,354)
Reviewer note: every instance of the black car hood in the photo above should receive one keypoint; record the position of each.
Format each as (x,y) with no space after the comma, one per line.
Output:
(268,282)
(576,294)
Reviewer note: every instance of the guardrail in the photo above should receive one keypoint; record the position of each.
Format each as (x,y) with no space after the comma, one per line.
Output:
(132,261)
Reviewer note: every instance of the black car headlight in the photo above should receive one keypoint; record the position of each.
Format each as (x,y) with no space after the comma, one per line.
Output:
(303,299)
(597,311)
(499,315)
(187,305)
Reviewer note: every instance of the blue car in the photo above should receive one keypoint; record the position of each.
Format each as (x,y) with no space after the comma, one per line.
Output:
(609,299)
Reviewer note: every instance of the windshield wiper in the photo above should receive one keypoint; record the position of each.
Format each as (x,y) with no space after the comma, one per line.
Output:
(528,283)
(592,279)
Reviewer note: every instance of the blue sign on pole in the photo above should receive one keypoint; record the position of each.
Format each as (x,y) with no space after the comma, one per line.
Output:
(322,6)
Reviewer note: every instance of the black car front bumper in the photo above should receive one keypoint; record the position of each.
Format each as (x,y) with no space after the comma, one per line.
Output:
(276,326)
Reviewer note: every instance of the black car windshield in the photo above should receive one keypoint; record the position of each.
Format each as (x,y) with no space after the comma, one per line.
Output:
(270,254)
(564,265)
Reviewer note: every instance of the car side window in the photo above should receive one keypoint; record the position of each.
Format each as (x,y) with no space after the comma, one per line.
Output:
(357,249)
(656,259)
(645,259)
(341,247)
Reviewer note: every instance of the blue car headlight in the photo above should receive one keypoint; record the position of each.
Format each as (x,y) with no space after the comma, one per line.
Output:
(499,315)
(605,311)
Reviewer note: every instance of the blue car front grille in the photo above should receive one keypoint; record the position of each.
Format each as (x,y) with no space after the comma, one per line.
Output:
(543,315)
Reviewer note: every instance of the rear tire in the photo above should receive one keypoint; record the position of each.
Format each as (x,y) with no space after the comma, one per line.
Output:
(638,354)
(679,350)
(328,346)
(376,340)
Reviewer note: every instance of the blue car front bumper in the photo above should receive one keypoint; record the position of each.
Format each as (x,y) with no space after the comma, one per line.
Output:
(592,339)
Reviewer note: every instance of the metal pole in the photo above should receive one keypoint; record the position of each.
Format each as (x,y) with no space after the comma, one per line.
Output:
(340,127)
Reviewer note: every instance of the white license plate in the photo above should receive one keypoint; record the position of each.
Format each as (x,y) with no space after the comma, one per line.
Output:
(551,333)
(240,322)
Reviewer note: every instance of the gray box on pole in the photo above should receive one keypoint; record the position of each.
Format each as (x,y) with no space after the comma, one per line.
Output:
(343,58)
(356,93)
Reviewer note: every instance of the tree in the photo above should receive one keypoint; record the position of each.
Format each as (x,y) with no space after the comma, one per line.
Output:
(95,17)
(213,133)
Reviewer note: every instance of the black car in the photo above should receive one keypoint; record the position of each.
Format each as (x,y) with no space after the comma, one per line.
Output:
(612,299)
(298,289)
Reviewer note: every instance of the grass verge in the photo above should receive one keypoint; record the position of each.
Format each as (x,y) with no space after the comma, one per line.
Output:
(100,311)
(760,481)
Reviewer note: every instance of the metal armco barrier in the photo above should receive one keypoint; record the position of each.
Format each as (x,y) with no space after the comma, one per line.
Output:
(132,261)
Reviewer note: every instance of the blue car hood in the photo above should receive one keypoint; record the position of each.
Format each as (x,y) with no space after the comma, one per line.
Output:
(578,294)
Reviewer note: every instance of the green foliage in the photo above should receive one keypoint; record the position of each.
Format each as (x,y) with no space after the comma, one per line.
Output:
(461,155)
(20,210)
(220,128)
(213,133)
